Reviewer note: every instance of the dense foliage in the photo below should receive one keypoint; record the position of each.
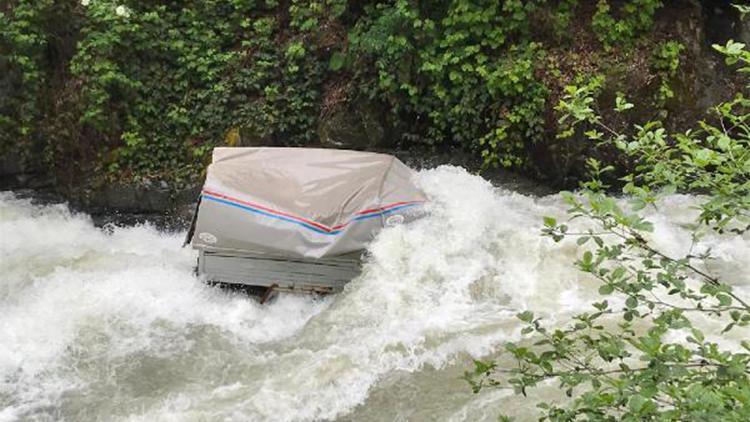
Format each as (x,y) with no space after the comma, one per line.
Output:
(466,76)
(144,90)
(647,351)
(157,85)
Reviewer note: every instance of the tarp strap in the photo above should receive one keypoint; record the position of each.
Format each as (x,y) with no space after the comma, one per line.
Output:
(191,230)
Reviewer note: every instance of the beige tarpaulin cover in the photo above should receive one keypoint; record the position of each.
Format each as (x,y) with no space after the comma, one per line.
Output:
(301,202)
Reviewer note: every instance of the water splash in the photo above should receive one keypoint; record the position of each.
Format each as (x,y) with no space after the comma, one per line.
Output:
(113,325)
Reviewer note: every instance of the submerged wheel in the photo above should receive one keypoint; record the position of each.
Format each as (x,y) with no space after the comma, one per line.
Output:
(257,291)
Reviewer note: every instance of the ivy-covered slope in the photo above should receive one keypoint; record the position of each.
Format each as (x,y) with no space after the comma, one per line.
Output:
(135,90)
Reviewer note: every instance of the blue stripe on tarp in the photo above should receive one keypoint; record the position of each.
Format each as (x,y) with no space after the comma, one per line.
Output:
(300,223)
(388,211)
(268,214)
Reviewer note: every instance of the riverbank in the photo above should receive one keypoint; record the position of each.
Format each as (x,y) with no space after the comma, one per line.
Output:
(117,110)
(170,208)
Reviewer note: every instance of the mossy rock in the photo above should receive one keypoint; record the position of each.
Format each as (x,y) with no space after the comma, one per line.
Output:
(359,125)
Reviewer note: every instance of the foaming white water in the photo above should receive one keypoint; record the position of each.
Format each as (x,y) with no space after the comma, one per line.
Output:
(74,296)
(113,325)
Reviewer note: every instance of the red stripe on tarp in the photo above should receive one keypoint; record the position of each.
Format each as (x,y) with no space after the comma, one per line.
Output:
(386,207)
(272,211)
(310,222)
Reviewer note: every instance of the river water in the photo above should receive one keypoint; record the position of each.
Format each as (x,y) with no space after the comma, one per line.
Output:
(111,324)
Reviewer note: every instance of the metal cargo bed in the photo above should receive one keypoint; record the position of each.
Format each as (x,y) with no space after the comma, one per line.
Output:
(323,275)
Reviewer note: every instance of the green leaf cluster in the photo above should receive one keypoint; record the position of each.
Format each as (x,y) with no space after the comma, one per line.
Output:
(463,72)
(622,24)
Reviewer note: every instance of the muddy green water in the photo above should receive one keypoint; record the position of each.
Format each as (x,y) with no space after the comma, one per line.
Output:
(111,324)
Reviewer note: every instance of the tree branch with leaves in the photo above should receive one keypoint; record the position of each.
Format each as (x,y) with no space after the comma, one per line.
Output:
(617,361)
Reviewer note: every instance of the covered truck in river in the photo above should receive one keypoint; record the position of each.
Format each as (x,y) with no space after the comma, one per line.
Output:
(296,218)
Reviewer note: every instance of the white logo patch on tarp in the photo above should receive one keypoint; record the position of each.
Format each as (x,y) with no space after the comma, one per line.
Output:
(208,238)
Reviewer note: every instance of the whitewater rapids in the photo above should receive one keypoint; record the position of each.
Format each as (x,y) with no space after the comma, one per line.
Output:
(111,324)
